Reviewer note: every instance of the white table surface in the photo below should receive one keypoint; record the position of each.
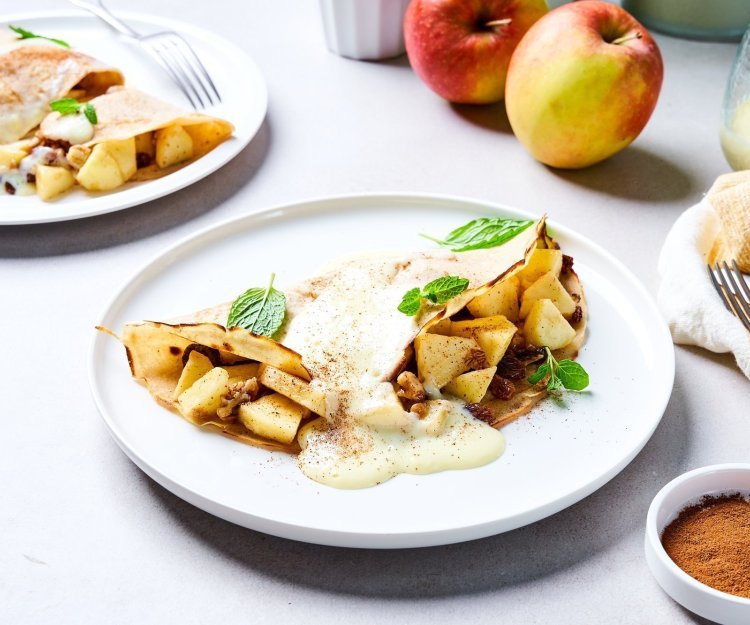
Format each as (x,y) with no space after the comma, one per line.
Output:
(86,537)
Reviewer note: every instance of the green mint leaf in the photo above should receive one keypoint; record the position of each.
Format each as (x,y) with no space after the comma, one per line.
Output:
(572,375)
(411,302)
(27,34)
(482,233)
(444,289)
(259,310)
(65,106)
(540,374)
(90,112)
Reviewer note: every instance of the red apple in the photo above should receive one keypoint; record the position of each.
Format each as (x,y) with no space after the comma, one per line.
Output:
(461,48)
(582,84)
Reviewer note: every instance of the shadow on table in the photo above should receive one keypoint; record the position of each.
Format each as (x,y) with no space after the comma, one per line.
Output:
(634,174)
(523,555)
(81,235)
(488,116)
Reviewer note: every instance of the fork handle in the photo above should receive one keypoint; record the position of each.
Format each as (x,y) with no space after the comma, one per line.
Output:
(97,8)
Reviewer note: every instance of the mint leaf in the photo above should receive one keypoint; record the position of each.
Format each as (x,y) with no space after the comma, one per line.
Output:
(438,291)
(90,112)
(540,374)
(482,233)
(65,106)
(411,302)
(27,34)
(71,106)
(565,374)
(259,310)
(444,289)
(572,375)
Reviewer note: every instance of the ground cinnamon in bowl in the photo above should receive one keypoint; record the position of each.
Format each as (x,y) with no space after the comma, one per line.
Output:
(710,541)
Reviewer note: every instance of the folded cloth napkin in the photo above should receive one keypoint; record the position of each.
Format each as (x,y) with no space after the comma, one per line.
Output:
(688,301)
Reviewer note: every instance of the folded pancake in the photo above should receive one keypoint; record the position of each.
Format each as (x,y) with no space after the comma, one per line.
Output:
(33,73)
(134,137)
(345,348)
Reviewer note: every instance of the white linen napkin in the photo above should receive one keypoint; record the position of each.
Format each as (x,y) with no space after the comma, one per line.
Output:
(688,301)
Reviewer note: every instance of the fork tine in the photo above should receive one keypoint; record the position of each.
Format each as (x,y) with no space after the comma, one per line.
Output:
(174,62)
(196,62)
(162,60)
(719,288)
(741,280)
(179,47)
(740,306)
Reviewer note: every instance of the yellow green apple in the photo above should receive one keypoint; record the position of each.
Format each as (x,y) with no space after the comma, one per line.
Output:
(461,48)
(582,84)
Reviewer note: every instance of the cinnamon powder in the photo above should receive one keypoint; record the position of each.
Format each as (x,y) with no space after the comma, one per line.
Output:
(710,541)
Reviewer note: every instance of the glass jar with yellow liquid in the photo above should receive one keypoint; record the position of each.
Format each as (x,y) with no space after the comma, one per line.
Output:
(735,114)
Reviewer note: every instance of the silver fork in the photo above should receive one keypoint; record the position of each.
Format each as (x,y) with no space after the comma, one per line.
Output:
(733,290)
(171,51)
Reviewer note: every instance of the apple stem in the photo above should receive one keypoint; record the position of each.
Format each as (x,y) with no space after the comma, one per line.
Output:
(636,35)
(503,22)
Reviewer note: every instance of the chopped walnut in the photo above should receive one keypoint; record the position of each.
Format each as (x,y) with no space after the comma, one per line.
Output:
(577,315)
(477,359)
(420,410)
(77,156)
(502,388)
(411,387)
(239,393)
(481,412)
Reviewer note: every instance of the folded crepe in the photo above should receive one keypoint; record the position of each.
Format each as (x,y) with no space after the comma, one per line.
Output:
(124,113)
(343,330)
(33,73)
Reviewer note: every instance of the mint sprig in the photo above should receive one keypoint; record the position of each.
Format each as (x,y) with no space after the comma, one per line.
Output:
(565,374)
(438,291)
(27,34)
(482,233)
(259,310)
(71,106)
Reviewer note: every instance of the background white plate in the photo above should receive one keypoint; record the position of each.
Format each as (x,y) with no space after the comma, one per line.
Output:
(554,458)
(237,78)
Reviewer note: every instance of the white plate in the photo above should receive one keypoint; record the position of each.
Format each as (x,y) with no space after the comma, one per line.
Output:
(554,458)
(237,78)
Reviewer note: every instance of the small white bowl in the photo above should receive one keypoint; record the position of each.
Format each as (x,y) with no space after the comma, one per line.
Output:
(683,491)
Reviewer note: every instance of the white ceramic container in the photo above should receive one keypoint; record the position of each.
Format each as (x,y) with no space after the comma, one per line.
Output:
(685,490)
(364,29)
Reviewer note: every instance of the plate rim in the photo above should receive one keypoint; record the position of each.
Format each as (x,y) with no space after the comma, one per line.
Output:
(179,26)
(369,539)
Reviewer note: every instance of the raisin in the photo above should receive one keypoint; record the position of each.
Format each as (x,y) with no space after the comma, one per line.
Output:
(511,368)
(481,412)
(9,188)
(143,160)
(577,315)
(567,264)
(502,388)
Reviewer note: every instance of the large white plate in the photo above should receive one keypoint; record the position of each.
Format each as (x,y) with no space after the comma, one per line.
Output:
(237,77)
(555,457)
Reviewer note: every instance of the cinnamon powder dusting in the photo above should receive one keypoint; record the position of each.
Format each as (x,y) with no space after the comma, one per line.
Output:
(710,541)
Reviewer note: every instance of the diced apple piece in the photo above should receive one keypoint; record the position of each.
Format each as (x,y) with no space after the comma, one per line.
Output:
(124,154)
(195,368)
(173,145)
(542,261)
(501,299)
(471,386)
(294,388)
(273,416)
(493,334)
(547,287)
(441,327)
(240,373)
(100,172)
(12,153)
(52,181)
(382,409)
(545,326)
(144,144)
(441,358)
(200,402)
